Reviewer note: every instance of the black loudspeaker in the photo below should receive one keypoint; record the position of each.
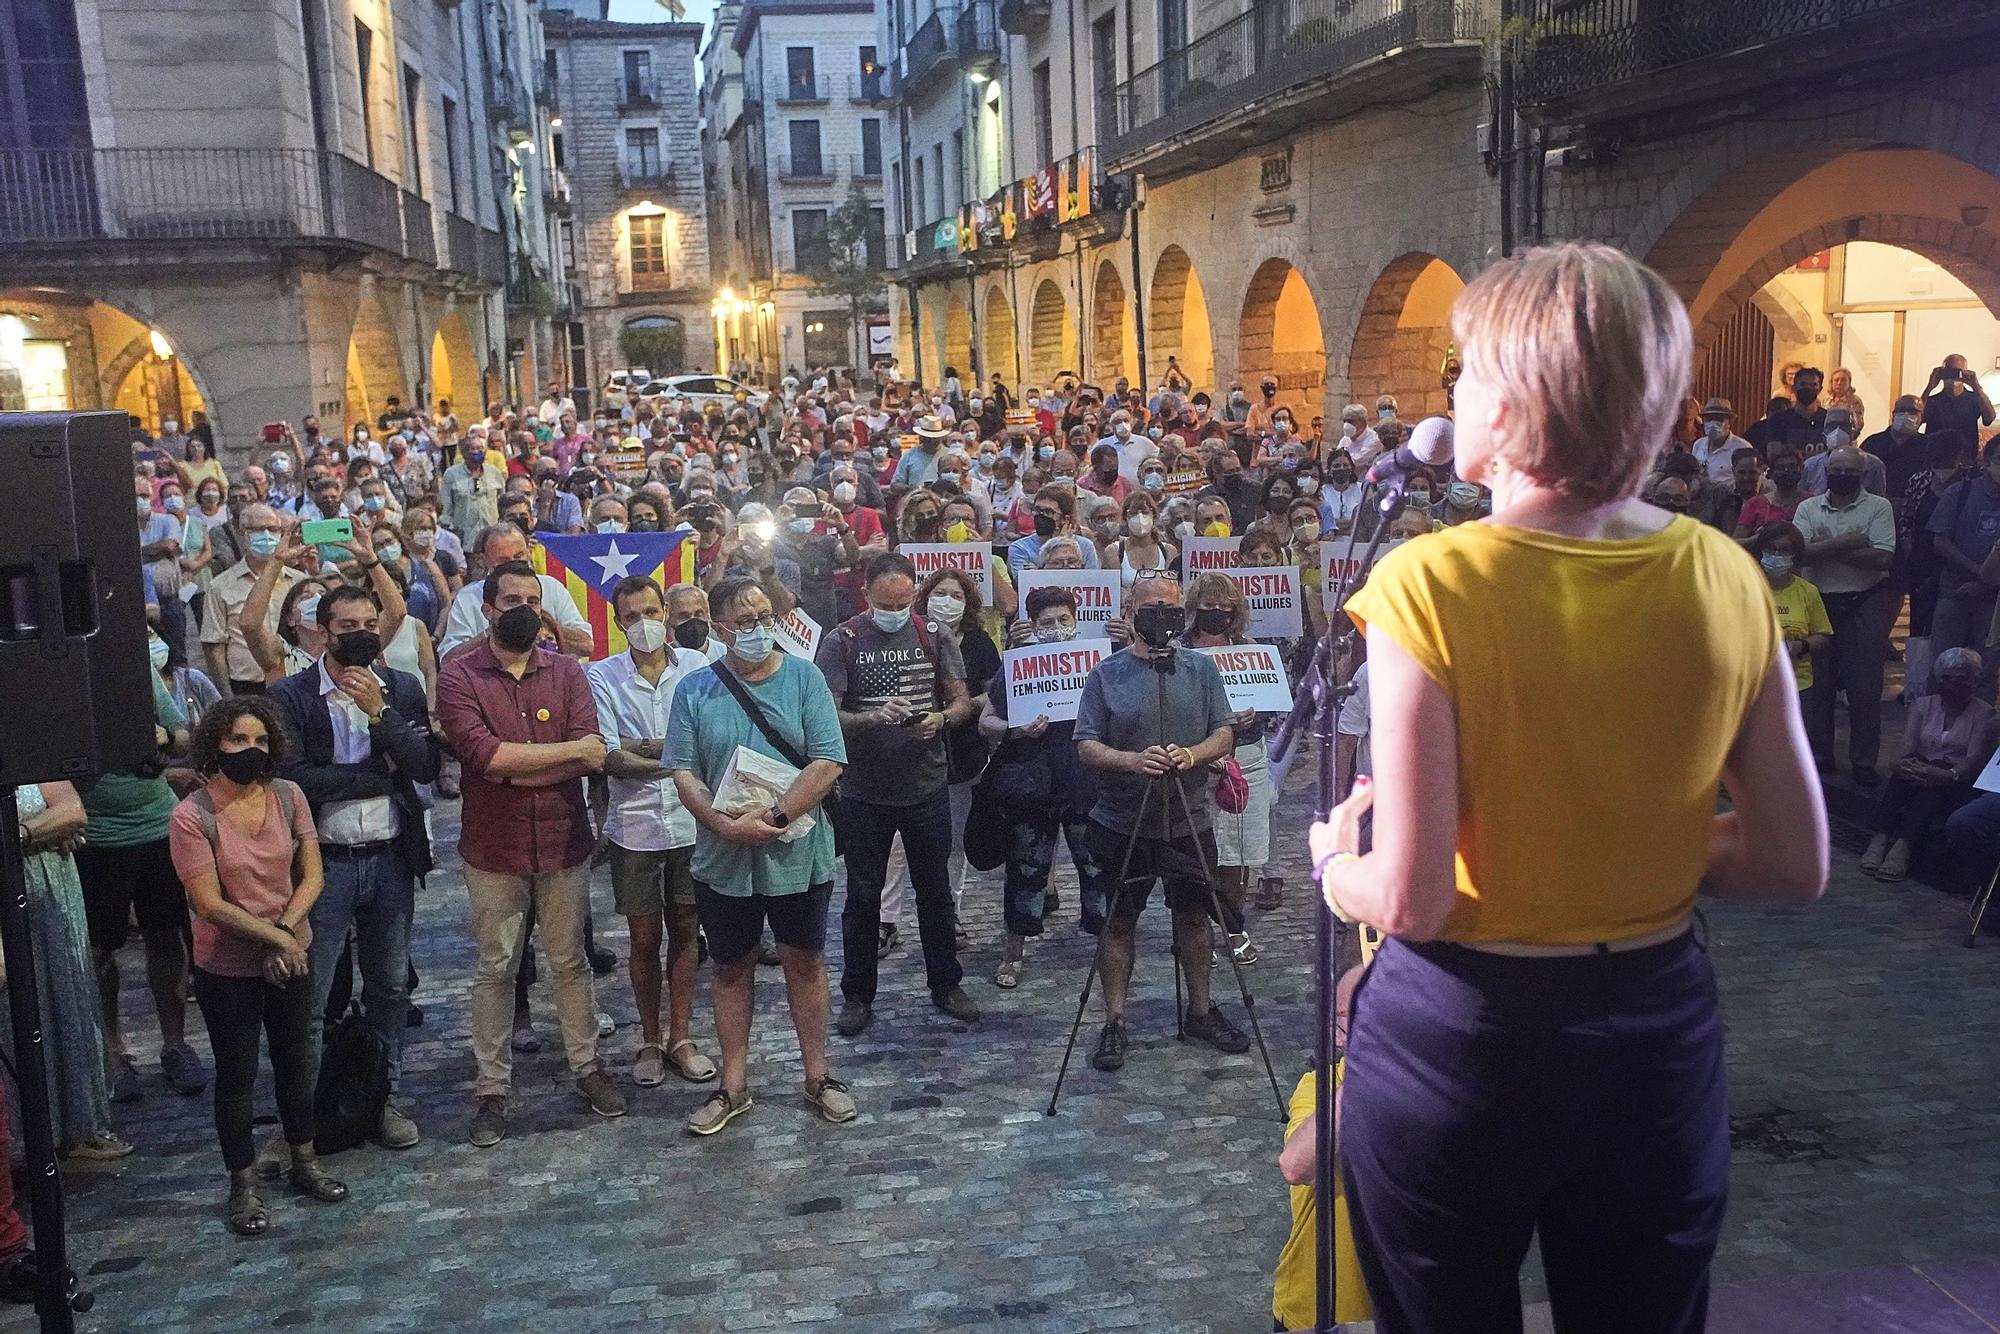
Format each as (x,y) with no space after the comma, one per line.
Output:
(75,698)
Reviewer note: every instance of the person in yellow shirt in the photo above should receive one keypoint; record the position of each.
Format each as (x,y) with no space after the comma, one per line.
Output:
(1802,618)
(1538,1050)
(1294,1292)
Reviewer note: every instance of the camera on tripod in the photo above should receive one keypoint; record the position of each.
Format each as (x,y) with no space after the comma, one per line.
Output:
(1159,624)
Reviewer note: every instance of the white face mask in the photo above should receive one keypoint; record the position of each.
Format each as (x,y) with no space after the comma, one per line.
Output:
(947,608)
(646,635)
(1347,431)
(1140,524)
(843,493)
(1054,634)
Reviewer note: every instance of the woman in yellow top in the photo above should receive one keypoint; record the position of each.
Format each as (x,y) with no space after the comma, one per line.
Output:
(1558,692)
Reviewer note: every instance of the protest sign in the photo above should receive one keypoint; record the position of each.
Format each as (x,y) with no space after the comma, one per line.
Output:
(1334,565)
(975,558)
(798,634)
(1273,593)
(1182,481)
(1047,679)
(1209,553)
(1096,596)
(1254,676)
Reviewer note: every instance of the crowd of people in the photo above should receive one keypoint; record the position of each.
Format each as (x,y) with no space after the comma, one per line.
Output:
(315,699)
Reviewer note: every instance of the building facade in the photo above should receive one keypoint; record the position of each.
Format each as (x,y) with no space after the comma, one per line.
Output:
(266,210)
(634,232)
(797,103)
(1301,189)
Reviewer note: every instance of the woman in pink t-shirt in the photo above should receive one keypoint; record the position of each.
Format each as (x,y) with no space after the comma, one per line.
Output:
(1781,502)
(244,846)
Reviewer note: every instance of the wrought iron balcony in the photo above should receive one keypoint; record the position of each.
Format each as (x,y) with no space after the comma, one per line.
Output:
(1023,16)
(638,92)
(139,196)
(796,88)
(927,49)
(478,252)
(1286,63)
(875,85)
(1590,60)
(977,39)
(645,173)
(507,102)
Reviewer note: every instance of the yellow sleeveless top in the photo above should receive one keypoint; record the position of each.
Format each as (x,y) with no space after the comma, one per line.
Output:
(1598,687)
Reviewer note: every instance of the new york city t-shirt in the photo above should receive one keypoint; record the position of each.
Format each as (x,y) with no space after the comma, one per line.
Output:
(865,668)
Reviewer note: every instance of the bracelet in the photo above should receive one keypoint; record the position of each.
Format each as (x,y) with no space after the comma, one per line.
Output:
(286,929)
(1319,872)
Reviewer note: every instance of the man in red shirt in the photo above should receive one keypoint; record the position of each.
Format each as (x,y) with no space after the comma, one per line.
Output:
(524,726)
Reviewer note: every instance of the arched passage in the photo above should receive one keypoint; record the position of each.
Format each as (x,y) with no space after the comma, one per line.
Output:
(1279,333)
(374,363)
(63,351)
(1177,324)
(1051,334)
(454,361)
(1112,340)
(996,335)
(958,354)
(1404,335)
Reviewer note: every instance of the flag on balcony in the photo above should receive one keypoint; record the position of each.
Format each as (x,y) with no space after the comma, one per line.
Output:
(1080,205)
(1010,218)
(968,231)
(589,566)
(1040,189)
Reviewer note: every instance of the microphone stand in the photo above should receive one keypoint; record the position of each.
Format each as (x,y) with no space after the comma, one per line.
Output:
(1320,699)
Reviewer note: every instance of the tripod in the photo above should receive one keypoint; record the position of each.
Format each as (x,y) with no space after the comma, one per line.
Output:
(1164,788)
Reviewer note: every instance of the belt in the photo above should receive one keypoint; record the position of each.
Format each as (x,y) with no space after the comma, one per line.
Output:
(1514,949)
(376,848)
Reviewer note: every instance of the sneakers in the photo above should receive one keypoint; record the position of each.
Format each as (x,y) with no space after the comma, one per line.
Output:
(767,953)
(183,1069)
(604,1098)
(526,1039)
(830,1099)
(99,1146)
(1878,847)
(1110,1053)
(855,1016)
(489,1122)
(1895,862)
(397,1130)
(721,1108)
(954,1002)
(606,1025)
(125,1080)
(1217,1031)
(885,940)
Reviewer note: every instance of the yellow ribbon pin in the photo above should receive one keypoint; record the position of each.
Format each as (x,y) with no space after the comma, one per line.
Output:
(541,715)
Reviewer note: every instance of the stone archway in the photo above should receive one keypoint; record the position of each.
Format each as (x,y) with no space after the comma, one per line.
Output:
(996,336)
(1403,335)
(374,362)
(1177,323)
(958,350)
(1279,332)
(1051,334)
(1112,342)
(454,360)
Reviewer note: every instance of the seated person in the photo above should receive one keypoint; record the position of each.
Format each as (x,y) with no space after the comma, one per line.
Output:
(1945,744)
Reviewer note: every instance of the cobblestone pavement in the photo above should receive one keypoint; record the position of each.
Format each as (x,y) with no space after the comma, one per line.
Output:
(1861,1042)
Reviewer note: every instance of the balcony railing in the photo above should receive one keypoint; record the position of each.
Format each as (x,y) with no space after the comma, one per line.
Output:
(507,102)
(927,48)
(876,85)
(1279,46)
(419,237)
(801,87)
(1576,48)
(645,173)
(968,33)
(1023,16)
(478,252)
(978,31)
(800,167)
(638,92)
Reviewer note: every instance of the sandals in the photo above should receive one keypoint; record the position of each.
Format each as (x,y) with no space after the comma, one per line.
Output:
(649,1067)
(247,1215)
(1008,975)
(688,1062)
(309,1179)
(1270,893)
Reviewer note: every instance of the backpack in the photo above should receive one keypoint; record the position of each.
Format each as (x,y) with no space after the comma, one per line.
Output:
(353,1084)
(204,810)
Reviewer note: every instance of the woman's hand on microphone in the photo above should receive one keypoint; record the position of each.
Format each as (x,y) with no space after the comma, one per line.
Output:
(1341,830)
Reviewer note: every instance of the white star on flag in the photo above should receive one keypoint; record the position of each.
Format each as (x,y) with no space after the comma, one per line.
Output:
(616,564)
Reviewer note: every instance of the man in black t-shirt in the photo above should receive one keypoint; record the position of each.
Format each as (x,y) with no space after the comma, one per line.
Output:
(1954,400)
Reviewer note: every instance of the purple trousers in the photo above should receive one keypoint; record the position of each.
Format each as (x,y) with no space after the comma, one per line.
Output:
(1491,1099)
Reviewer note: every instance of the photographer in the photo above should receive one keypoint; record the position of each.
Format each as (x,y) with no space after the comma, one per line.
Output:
(1954,399)
(1156,710)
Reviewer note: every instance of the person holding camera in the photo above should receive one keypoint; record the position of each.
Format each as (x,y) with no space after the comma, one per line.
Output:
(1152,718)
(1954,400)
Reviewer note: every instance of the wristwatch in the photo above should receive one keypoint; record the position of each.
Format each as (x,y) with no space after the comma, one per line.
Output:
(776,815)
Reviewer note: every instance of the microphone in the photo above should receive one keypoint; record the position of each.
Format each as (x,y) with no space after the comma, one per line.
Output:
(1430,443)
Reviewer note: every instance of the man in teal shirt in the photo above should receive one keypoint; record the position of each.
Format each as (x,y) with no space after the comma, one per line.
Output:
(745,871)
(127,872)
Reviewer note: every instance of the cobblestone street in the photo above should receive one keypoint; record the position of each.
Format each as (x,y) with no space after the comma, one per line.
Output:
(1861,1038)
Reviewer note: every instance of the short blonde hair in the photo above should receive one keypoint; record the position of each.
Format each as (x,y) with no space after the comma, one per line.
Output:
(1592,351)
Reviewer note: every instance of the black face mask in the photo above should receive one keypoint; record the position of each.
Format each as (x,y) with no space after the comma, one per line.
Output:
(692,633)
(522,522)
(356,648)
(646,525)
(1212,620)
(517,628)
(1785,479)
(1159,623)
(244,766)
(1045,526)
(1846,485)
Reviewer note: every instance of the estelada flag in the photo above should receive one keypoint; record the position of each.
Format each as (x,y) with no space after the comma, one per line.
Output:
(590,565)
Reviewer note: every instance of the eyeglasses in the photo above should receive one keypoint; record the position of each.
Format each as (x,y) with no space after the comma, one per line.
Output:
(749,623)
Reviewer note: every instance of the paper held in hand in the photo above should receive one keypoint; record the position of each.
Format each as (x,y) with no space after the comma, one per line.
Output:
(753,782)
(1989,777)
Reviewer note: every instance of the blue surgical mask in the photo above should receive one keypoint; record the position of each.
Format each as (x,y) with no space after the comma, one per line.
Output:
(1716,430)
(391,552)
(263,543)
(1775,562)
(332,553)
(889,622)
(1153,481)
(156,648)
(610,525)
(801,525)
(373,504)
(753,646)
